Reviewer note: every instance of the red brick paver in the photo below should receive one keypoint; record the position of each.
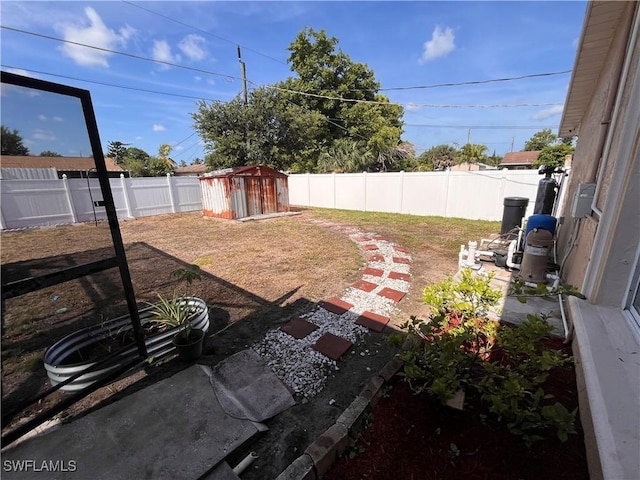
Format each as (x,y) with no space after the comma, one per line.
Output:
(404,260)
(298,328)
(400,249)
(373,321)
(395,295)
(335,305)
(399,276)
(370,247)
(362,239)
(364,285)
(332,346)
(374,272)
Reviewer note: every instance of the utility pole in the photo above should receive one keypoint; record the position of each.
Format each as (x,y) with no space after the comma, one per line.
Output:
(469,136)
(243,70)
(513,139)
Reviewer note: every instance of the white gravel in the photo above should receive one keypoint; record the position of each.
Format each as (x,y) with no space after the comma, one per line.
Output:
(295,362)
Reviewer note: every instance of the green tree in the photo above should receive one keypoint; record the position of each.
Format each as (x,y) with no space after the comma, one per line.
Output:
(539,140)
(12,142)
(439,157)
(269,130)
(49,153)
(334,86)
(553,155)
(494,159)
(116,150)
(472,153)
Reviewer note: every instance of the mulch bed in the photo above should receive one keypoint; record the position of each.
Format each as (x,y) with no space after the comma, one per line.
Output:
(416,437)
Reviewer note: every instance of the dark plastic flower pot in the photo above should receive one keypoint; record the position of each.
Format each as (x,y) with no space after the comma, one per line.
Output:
(189,347)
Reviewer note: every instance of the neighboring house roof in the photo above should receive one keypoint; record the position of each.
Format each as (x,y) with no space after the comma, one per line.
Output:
(191,170)
(602,20)
(514,159)
(59,163)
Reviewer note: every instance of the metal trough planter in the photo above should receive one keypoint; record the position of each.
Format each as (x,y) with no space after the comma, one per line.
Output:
(56,358)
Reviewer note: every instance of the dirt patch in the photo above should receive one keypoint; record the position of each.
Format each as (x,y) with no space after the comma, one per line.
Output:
(257,276)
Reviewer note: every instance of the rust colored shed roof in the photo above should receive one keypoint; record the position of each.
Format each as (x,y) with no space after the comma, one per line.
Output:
(247,171)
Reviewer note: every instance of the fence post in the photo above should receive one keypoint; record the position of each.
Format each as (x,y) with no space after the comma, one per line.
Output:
(125,194)
(447,181)
(3,224)
(67,191)
(171,199)
(334,189)
(401,189)
(364,181)
(308,189)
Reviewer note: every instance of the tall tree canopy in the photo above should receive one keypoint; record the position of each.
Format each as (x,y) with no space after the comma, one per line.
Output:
(439,157)
(268,130)
(293,125)
(12,142)
(539,140)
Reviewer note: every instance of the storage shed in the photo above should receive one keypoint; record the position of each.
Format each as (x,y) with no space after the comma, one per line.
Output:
(244,192)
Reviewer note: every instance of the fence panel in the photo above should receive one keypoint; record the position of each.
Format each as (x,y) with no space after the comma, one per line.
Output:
(473,195)
(34,202)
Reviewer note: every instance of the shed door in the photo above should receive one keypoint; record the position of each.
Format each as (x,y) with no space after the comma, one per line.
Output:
(261,195)
(252,188)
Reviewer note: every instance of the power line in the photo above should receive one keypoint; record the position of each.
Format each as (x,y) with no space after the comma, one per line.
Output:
(478,82)
(130,55)
(107,84)
(410,104)
(480,127)
(202,31)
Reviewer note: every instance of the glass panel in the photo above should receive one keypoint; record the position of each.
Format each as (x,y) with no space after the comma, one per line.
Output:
(59,265)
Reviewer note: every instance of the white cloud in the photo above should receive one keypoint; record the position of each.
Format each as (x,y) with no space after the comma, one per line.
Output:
(42,118)
(576,42)
(442,42)
(158,128)
(43,135)
(193,47)
(162,53)
(138,138)
(19,71)
(548,112)
(412,107)
(58,119)
(96,34)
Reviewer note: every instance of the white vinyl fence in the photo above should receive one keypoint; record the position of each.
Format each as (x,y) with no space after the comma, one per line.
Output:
(472,195)
(27,203)
(477,195)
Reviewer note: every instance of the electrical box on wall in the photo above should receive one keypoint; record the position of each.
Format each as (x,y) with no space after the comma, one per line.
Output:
(583,200)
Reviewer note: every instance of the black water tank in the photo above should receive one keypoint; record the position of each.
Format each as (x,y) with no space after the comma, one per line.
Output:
(514,210)
(546,197)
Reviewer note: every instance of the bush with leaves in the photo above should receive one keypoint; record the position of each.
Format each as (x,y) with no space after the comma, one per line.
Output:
(503,367)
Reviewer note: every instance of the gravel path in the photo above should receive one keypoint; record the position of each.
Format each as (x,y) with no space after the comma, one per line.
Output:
(295,361)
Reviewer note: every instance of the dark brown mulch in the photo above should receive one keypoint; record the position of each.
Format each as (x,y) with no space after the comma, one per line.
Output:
(416,437)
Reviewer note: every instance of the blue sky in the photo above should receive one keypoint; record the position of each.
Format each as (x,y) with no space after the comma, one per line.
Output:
(407,44)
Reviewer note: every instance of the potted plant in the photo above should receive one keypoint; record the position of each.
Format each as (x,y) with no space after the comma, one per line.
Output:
(178,311)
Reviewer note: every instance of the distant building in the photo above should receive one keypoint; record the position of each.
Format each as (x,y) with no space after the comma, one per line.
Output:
(472,167)
(27,166)
(191,170)
(519,160)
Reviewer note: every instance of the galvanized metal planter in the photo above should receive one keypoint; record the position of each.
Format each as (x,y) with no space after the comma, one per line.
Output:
(158,345)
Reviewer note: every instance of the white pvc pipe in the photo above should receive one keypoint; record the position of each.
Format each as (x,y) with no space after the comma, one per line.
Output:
(510,252)
(244,464)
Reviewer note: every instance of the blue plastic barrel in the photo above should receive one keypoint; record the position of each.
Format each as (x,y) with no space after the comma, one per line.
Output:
(541,220)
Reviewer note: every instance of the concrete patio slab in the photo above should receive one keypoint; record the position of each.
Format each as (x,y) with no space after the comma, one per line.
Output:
(173,429)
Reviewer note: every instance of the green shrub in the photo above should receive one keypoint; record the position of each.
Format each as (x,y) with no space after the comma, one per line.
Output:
(503,367)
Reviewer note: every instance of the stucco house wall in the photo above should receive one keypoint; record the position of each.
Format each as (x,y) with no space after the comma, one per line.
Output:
(600,251)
